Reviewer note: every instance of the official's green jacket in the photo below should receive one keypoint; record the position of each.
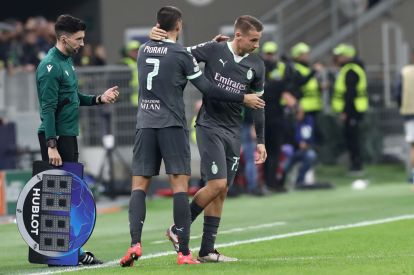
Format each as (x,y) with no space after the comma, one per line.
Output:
(59,96)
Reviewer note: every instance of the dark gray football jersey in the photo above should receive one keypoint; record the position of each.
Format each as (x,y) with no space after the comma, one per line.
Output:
(237,74)
(164,67)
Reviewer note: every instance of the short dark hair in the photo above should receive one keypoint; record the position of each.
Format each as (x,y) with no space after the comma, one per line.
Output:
(246,23)
(68,24)
(168,17)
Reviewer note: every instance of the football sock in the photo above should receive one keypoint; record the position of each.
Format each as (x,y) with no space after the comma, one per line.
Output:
(195,211)
(137,211)
(211,225)
(182,221)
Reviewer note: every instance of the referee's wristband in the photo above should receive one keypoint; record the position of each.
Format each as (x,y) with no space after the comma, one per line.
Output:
(51,143)
(98,100)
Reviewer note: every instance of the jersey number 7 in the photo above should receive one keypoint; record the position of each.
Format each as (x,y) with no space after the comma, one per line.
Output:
(154,72)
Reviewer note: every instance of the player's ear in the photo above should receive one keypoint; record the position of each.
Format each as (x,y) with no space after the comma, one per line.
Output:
(178,26)
(237,34)
(63,38)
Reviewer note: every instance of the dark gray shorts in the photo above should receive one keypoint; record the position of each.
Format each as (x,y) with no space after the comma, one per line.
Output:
(220,153)
(170,144)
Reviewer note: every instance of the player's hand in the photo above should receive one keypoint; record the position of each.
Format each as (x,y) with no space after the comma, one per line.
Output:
(289,99)
(110,95)
(157,34)
(261,154)
(221,38)
(54,156)
(253,101)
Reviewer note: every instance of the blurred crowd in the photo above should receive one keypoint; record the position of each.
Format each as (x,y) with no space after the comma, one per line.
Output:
(24,44)
(298,92)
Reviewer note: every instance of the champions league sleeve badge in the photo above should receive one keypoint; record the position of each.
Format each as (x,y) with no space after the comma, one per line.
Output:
(56,213)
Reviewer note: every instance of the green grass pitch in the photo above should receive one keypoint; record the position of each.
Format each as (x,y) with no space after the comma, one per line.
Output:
(339,231)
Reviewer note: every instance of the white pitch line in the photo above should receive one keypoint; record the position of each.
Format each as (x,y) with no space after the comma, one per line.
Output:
(233,230)
(330,257)
(235,243)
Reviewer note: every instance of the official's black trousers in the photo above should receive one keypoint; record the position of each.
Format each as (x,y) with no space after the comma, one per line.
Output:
(352,137)
(67,147)
(273,143)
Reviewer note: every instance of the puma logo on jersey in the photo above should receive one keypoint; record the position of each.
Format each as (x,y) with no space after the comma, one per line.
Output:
(49,68)
(67,73)
(222,62)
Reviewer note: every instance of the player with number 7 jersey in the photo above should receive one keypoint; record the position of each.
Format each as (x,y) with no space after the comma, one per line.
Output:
(233,66)
(164,68)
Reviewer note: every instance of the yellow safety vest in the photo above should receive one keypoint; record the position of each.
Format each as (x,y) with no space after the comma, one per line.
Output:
(85,61)
(407,86)
(278,73)
(193,130)
(311,94)
(132,64)
(361,100)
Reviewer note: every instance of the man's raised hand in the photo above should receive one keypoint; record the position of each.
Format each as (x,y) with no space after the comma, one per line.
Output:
(110,95)
(157,34)
(253,101)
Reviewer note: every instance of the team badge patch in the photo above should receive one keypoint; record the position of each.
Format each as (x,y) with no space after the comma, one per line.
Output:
(249,74)
(214,168)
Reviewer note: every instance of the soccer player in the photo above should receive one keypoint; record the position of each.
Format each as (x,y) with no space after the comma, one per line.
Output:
(231,66)
(60,98)
(164,68)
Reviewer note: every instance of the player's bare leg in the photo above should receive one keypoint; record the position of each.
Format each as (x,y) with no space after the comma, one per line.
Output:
(212,216)
(201,199)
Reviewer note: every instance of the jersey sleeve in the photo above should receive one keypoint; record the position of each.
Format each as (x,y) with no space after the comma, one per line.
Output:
(203,51)
(190,66)
(257,84)
(48,78)
(259,125)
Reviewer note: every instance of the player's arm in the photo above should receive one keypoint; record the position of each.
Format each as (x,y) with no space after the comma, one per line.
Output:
(210,90)
(200,51)
(259,125)
(257,87)
(158,34)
